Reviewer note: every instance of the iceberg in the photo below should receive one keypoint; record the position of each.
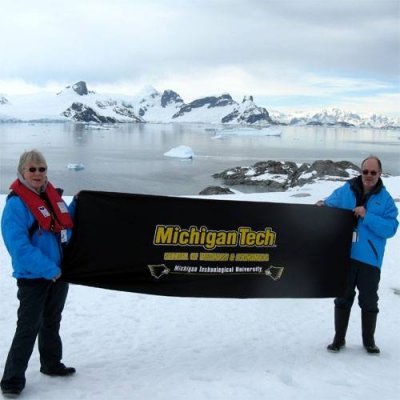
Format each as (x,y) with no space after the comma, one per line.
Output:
(76,167)
(180,152)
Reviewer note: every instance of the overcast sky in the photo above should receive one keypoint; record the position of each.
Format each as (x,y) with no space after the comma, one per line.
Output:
(288,54)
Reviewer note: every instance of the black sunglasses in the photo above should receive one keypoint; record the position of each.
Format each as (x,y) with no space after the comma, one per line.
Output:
(366,171)
(34,169)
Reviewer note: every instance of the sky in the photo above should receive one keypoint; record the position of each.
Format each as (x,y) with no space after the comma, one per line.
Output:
(290,55)
(135,346)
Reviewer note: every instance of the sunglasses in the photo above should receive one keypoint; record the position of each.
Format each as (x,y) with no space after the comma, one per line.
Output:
(367,171)
(34,169)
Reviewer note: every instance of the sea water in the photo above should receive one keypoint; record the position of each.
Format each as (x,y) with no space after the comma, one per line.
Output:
(130,157)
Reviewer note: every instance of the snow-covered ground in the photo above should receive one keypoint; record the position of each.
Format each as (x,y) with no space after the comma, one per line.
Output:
(135,346)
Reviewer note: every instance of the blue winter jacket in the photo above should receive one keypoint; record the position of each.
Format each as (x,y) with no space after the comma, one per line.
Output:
(33,256)
(380,221)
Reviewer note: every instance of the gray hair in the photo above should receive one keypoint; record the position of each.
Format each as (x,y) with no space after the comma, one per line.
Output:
(31,156)
(372,157)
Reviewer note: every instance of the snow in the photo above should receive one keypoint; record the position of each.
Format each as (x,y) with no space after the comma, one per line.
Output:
(47,106)
(181,151)
(279,178)
(212,115)
(307,175)
(135,346)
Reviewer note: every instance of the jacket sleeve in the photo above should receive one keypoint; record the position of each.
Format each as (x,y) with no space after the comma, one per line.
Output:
(26,259)
(339,198)
(384,225)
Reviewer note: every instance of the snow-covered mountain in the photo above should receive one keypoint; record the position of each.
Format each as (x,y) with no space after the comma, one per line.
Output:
(153,106)
(77,103)
(336,117)
(211,109)
(247,112)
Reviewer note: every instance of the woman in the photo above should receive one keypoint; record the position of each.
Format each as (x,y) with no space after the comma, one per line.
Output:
(35,224)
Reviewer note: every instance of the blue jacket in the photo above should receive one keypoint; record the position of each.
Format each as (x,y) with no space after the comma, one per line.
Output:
(32,256)
(379,223)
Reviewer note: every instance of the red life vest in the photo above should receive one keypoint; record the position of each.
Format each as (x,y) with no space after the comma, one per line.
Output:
(53,217)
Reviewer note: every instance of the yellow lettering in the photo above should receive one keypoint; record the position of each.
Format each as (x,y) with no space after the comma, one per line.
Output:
(250,238)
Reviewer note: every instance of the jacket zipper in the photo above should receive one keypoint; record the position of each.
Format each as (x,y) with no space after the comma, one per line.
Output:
(373,248)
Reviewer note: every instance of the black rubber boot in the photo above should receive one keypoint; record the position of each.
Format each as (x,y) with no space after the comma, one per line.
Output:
(341,322)
(368,323)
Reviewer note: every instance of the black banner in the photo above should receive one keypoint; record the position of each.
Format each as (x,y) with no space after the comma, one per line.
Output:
(177,246)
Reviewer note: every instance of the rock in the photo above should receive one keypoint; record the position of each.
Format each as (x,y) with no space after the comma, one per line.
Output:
(216,190)
(207,102)
(83,113)
(248,113)
(280,176)
(301,195)
(127,113)
(80,88)
(154,100)
(170,97)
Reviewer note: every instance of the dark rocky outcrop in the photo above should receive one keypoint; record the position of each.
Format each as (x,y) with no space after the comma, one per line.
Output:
(280,176)
(105,104)
(3,100)
(216,190)
(170,97)
(120,110)
(248,113)
(249,117)
(83,113)
(209,102)
(81,88)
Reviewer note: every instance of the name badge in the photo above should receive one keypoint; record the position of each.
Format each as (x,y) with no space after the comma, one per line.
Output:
(64,236)
(44,211)
(62,207)
(355,237)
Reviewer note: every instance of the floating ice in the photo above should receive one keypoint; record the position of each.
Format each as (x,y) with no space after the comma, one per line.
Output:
(76,167)
(250,131)
(180,152)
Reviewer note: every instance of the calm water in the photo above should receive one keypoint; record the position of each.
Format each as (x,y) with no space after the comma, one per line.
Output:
(129,157)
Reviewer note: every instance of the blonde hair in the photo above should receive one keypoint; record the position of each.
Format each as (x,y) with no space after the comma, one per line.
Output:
(31,156)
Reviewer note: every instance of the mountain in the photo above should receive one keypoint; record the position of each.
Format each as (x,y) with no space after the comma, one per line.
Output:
(74,102)
(248,113)
(79,104)
(154,106)
(211,109)
(87,106)
(336,117)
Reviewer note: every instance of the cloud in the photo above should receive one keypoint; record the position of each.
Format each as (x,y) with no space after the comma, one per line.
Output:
(241,46)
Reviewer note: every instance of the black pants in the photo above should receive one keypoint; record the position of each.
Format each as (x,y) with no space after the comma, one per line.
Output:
(39,315)
(366,279)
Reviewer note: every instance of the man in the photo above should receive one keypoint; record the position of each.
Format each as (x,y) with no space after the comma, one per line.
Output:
(376,214)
